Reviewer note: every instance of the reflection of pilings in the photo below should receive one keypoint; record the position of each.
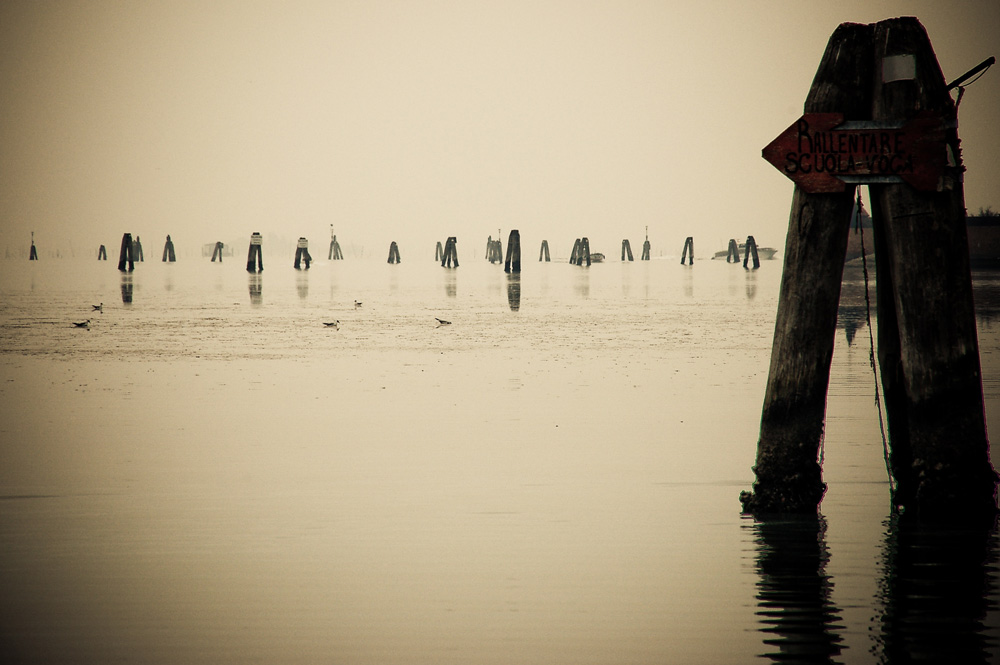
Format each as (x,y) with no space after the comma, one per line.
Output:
(450,253)
(255,262)
(439,252)
(733,253)
(217,252)
(127,288)
(935,590)
(335,253)
(513,261)
(544,251)
(168,251)
(794,592)
(102,254)
(302,254)
(514,291)
(256,288)
(393,252)
(137,250)
(125,260)
(688,250)
(645,251)
(751,249)
(626,250)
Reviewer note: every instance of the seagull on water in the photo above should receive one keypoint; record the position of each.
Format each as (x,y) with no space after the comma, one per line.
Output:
(442,322)
(357,303)
(333,324)
(82,324)
(98,308)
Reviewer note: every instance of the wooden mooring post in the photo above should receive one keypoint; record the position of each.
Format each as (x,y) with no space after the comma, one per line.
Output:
(751,251)
(393,252)
(543,251)
(581,252)
(217,252)
(688,250)
(494,250)
(137,250)
(335,253)
(439,252)
(626,250)
(102,253)
(33,253)
(126,261)
(450,255)
(255,262)
(302,254)
(733,253)
(512,263)
(168,251)
(883,79)
(645,247)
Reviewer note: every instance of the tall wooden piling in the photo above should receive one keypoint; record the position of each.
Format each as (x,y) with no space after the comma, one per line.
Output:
(688,251)
(255,262)
(439,252)
(788,474)
(494,250)
(574,255)
(512,264)
(751,251)
(102,253)
(168,251)
(733,253)
(928,344)
(217,252)
(33,253)
(302,254)
(450,256)
(126,261)
(543,251)
(137,250)
(335,253)
(393,252)
(645,247)
(626,250)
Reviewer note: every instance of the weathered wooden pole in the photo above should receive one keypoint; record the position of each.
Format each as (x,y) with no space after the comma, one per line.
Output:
(928,344)
(137,250)
(512,264)
(125,259)
(514,291)
(788,474)
(168,251)
(626,250)
(302,254)
(217,252)
(733,253)
(688,250)
(33,253)
(543,251)
(255,262)
(102,253)
(751,251)
(393,252)
(450,255)
(335,253)
(574,255)
(439,252)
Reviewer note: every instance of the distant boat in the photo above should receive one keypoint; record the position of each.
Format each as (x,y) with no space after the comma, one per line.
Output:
(763,253)
(596,257)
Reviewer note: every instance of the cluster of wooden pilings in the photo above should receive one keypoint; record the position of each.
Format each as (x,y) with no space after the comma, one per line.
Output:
(302,254)
(168,251)
(217,252)
(393,252)
(494,250)
(581,252)
(449,257)
(335,253)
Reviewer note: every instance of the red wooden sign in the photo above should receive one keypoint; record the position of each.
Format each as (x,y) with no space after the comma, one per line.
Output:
(820,152)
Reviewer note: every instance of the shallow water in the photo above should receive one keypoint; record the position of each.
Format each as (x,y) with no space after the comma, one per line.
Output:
(209,475)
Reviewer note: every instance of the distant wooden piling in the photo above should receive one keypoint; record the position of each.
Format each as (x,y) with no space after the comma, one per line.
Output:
(335,253)
(137,250)
(102,253)
(393,252)
(733,253)
(255,262)
(439,252)
(512,264)
(626,250)
(581,252)
(543,252)
(33,253)
(126,261)
(168,251)
(751,251)
(688,250)
(494,250)
(217,252)
(450,256)
(302,254)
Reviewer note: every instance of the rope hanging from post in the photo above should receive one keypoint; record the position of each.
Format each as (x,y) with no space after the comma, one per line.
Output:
(871,353)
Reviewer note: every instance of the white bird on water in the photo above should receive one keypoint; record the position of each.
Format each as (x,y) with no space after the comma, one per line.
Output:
(82,324)
(98,308)
(333,324)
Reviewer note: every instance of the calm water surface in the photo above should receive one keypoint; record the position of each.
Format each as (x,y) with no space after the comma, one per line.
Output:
(210,475)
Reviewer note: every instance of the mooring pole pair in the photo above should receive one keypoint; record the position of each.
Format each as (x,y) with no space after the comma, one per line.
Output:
(884,81)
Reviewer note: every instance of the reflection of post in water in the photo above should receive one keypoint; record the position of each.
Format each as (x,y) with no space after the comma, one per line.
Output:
(255,263)
(793,593)
(512,264)
(935,591)
(256,288)
(450,284)
(125,260)
(102,253)
(514,291)
(127,289)
(302,284)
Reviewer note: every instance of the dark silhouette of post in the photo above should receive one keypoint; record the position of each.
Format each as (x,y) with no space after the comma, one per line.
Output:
(335,253)
(102,253)
(217,252)
(137,250)
(168,251)
(575,254)
(543,251)
(928,344)
(733,254)
(126,261)
(450,256)
(494,250)
(439,252)
(393,252)
(255,262)
(512,264)
(688,250)
(302,254)
(788,475)
(751,250)
(626,250)
(33,253)
(645,247)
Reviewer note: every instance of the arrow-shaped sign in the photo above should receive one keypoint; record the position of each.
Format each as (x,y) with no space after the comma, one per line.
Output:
(820,152)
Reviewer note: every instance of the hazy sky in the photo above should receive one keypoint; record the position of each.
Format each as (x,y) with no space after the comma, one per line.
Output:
(416,120)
